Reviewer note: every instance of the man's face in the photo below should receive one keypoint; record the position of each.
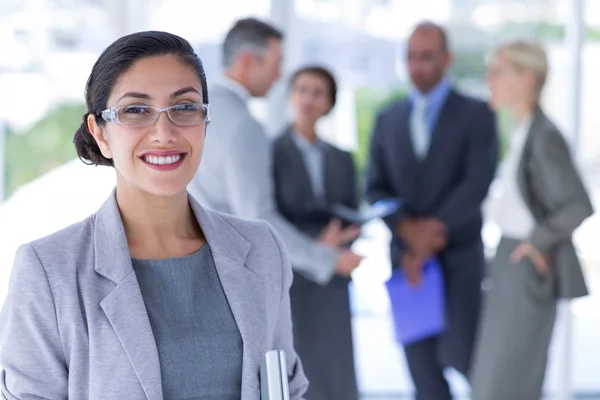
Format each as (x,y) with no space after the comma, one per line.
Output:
(265,69)
(427,58)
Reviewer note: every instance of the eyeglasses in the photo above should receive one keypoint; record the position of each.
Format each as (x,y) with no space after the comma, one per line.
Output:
(186,114)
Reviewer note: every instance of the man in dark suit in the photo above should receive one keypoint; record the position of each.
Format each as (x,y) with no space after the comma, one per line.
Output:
(437,151)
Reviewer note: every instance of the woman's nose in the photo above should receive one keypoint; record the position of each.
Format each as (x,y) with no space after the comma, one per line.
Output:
(163,130)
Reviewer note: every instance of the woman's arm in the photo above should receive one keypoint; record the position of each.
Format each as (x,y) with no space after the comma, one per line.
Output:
(31,352)
(283,338)
(556,184)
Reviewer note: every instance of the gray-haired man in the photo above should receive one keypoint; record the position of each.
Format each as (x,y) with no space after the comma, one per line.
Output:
(235,174)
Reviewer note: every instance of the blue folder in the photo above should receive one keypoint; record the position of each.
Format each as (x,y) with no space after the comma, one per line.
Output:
(418,311)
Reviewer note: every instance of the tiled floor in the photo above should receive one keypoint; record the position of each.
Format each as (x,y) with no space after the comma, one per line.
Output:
(382,372)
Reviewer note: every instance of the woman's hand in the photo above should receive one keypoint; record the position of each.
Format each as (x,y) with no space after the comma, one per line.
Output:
(526,249)
(335,236)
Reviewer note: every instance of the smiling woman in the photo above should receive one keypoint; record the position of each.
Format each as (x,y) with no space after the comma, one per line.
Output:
(153,296)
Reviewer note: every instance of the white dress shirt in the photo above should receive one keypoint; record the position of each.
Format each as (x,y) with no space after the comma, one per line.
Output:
(313,155)
(509,210)
(418,127)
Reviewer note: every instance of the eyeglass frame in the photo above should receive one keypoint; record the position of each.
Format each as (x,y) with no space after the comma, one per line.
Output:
(111,114)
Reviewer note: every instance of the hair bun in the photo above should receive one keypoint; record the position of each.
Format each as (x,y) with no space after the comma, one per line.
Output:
(86,146)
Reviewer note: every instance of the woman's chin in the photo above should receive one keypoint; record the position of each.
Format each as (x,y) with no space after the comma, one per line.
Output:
(165,189)
(306,119)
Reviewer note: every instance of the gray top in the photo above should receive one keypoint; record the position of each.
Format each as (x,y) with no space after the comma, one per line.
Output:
(199,344)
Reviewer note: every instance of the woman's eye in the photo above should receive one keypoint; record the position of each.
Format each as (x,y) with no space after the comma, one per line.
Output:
(186,107)
(135,110)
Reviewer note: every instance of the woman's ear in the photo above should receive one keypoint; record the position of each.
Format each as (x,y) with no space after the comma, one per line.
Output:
(99,136)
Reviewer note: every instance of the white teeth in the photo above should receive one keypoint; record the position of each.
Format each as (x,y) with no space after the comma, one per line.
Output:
(162,160)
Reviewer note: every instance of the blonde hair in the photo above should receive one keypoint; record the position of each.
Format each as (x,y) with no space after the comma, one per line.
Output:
(525,55)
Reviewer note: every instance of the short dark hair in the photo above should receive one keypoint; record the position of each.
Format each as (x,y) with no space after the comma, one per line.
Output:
(117,59)
(430,25)
(248,34)
(321,72)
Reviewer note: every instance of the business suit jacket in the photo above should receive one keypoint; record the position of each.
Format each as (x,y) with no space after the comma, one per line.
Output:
(453,179)
(320,313)
(235,178)
(293,190)
(74,324)
(556,196)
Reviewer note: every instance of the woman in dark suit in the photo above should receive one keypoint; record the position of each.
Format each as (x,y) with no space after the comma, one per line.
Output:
(310,176)
(152,297)
(541,202)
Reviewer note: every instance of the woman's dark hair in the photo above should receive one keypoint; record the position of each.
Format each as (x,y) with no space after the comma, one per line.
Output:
(117,59)
(321,72)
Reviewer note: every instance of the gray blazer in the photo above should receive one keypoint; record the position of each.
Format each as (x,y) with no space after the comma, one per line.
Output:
(556,196)
(235,178)
(74,324)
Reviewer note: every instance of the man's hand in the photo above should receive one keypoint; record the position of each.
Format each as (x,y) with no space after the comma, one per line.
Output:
(413,268)
(347,262)
(438,238)
(423,237)
(335,236)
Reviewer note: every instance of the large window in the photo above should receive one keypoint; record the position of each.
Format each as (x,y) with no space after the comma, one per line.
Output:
(49,47)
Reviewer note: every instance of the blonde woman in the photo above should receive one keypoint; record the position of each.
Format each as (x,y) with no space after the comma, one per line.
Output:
(542,202)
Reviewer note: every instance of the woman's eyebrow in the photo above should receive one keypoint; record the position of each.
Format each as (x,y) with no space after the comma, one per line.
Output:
(145,96)
(184,91)
(136,95)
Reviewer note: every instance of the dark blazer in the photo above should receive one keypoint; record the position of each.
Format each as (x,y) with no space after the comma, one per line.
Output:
(321,317)
(453,179)
(556,196)
(293,191)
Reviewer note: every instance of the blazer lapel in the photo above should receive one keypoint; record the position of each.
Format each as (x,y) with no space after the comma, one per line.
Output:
(331,177)
(438,139)
(407,171)
(244,290)
(299,167)
(402,140)
(124,306)
(125,309)
(296,159)
(522,175)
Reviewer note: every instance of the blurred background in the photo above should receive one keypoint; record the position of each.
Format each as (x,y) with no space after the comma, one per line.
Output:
(49,47)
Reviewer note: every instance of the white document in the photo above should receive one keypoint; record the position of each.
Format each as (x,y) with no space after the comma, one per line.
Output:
(379,209)
(273,377)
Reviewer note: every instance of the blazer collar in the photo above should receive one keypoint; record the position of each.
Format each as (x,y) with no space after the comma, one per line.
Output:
(537,122)
(112,251)
(237,88)
(125,308)
(294,146)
